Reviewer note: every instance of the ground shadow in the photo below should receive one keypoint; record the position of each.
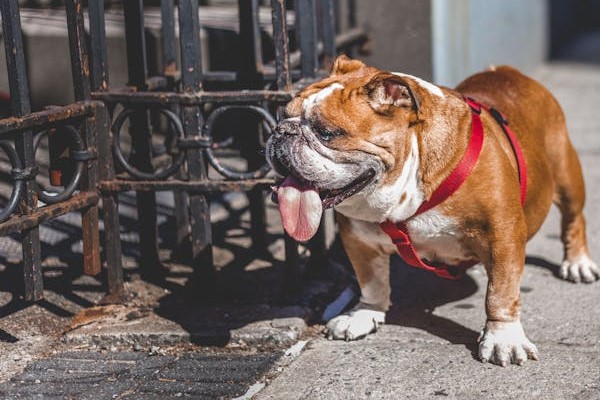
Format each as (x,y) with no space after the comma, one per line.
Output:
(543,263)
(249,283)
(416,294)
(62,273)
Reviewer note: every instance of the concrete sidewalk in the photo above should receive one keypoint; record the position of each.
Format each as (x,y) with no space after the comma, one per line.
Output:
(160,345)
(428,347)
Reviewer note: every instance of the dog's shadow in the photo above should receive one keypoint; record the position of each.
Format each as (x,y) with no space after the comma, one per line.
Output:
(416,294)
(543,263)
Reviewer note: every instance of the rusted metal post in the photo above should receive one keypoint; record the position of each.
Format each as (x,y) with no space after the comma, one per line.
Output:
(110,204)
(19,98)
(141,140)
(81,82)
(191,82)
(169,60)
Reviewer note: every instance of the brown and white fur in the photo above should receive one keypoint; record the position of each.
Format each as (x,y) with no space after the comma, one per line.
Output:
(411,134)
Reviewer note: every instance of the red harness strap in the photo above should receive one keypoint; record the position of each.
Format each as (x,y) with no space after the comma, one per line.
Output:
(398,232)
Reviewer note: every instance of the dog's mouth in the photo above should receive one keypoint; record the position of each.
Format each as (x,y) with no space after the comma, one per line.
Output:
(301,203)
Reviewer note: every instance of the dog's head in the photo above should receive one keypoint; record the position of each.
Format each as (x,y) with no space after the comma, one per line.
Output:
(348,135)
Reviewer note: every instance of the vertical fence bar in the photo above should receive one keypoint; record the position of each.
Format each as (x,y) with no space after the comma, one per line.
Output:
(80,67)
(19,98)
(281,40)
(81,82)
(99,81)
(352,14)
(292,271)
(328,18)
(338,22)
(169,51)
(110,204)
(250,43)
(191,79)
(310,64)
(133,11)
(98,55)
(306,29)
(169,61)
(251,77)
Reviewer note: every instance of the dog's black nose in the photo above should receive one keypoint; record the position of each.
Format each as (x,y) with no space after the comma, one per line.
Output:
(288,127)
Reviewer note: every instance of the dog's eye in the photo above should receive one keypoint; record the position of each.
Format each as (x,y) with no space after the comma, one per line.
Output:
(327,134)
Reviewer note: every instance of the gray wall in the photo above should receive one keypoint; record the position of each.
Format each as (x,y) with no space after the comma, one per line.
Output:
(470,35)
(401,34)
(447,40)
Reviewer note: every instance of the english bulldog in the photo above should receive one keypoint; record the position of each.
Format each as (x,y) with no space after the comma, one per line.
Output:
(379,146)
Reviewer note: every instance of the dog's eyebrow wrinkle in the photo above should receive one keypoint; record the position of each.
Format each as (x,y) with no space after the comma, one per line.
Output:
(316,98)
(430,87)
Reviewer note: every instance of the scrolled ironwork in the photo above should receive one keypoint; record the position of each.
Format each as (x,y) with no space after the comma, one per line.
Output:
(161,173)
(18,175)
(268,122)
(77,148)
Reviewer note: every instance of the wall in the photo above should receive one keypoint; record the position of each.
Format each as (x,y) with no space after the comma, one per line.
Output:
(470,35)
(401,34)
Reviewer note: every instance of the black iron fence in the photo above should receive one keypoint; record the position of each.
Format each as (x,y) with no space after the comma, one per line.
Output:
(165,129)
(79,126)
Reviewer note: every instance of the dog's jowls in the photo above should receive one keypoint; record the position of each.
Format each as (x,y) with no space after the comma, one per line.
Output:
(375,145)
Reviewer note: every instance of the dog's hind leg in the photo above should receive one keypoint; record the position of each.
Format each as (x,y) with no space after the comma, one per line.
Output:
(569,196)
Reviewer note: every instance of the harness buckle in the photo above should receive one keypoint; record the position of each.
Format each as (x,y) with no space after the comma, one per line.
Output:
(498,116)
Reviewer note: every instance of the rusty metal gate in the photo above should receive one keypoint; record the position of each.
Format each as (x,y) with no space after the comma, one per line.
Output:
(80,126)
(179,108)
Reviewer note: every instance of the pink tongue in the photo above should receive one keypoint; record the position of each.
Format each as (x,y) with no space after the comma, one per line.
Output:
(300,207)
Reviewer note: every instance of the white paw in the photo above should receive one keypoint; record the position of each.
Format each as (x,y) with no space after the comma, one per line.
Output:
(505,342)
(355,324)
(580,269)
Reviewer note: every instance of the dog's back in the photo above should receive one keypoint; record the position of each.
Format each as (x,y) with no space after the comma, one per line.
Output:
(539,122)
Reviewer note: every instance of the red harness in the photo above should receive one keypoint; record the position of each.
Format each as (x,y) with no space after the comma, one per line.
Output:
(398,232)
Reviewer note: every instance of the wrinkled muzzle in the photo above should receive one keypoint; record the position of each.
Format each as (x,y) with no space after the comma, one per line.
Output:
(315,176)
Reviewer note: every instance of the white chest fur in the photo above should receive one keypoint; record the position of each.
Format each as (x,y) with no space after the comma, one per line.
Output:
(437,237)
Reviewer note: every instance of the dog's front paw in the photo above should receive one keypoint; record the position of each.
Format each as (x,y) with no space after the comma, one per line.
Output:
(581,269)
(505,342)
(355,324)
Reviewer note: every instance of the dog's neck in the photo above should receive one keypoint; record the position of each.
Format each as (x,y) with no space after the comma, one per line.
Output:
(435,143)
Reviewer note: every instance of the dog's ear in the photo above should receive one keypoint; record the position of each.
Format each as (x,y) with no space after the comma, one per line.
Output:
(344,65)
(388,91)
